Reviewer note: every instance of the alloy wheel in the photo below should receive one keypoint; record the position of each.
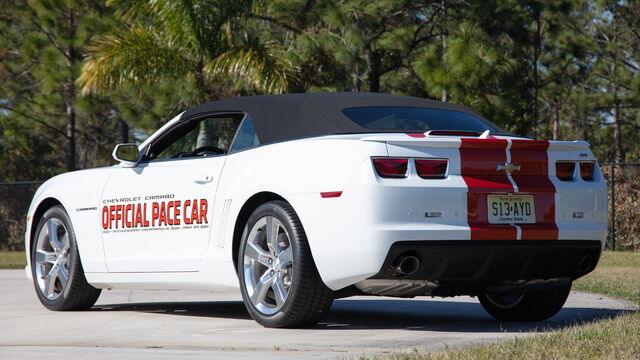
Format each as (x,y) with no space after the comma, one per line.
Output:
(268,265)
(52,259)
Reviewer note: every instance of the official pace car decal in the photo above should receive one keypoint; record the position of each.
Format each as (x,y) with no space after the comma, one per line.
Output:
(153,212)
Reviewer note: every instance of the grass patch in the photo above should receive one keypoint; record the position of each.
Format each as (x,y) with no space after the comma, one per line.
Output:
(617,274)
(12,260)
(608,339)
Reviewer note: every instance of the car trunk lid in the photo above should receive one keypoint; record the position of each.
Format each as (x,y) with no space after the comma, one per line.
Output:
(499,172)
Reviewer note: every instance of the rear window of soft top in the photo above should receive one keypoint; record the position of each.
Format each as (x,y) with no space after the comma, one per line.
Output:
(416,119)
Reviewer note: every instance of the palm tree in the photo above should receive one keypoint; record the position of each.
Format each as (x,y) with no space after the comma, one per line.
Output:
(197,40)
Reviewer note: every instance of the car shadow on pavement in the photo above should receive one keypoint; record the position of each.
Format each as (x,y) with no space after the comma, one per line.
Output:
(417,315)
(448,316)
(214,309)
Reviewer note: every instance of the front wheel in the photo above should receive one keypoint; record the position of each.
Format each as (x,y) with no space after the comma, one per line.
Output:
(279,281)
(531,306)
(55,264)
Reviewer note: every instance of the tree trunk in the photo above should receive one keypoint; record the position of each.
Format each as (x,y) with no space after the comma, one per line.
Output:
(617,128)
(70,94)
(536,77)
(357,82)
(445,95)
(124,131)
(71,126)
(556,122)
(617,134)
(374,70)
(201,85)
(205,134)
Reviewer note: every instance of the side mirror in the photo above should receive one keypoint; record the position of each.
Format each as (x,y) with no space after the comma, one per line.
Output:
(127,154)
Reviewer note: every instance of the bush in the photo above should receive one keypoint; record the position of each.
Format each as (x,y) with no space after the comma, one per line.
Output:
(14,204)
(627,206)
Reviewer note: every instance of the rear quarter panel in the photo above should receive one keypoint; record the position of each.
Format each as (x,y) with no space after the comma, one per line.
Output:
(299,171)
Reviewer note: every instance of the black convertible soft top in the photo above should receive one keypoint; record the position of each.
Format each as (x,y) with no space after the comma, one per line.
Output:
(290,116)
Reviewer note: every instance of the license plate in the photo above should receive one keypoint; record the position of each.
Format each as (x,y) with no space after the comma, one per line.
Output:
(511,209)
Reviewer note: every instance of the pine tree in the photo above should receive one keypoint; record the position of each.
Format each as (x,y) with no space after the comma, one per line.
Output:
(45,40)
(617,58)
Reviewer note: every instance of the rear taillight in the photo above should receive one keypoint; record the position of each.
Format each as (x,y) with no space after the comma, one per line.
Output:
(565,170)
(431,168)
(586,170)
(391,168)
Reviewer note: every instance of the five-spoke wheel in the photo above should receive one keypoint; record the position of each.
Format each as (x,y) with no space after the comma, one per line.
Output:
(278,278)
(268,265)
(55,264)
(52,259)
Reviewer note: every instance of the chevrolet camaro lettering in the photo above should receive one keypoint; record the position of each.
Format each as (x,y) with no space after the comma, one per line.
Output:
(300,199)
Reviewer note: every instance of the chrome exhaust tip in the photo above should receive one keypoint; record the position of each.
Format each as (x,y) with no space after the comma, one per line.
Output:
(405,265)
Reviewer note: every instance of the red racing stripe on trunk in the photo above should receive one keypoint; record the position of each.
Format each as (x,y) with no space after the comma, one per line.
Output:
(533,177)
(479,159)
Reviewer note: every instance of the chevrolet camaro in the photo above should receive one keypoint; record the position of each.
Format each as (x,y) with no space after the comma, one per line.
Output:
(304,198)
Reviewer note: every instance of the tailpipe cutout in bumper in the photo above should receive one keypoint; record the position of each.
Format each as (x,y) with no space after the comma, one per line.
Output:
(405,264)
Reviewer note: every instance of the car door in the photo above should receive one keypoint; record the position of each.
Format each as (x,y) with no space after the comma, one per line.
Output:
(157,216)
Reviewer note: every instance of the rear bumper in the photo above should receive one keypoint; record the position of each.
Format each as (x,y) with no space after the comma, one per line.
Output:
(493,261)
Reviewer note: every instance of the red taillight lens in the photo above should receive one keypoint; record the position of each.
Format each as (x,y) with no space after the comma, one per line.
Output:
(431,168)
(565,169)
(586,170)
(391,168)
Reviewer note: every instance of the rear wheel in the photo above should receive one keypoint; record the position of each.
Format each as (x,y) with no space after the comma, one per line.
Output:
(532,306)
(280,284)
(55,264)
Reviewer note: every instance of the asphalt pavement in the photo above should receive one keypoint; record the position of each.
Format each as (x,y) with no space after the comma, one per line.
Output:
(136,324)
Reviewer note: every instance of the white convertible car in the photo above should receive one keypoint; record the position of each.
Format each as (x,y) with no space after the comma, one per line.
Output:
(300,199)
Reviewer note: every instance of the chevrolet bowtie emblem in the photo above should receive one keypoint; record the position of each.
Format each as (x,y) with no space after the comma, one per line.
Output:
(509,167)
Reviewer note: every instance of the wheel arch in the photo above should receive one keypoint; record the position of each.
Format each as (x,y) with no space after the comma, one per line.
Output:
(43,206)
(245,212)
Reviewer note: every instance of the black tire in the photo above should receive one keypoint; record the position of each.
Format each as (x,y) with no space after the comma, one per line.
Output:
(77,294)
(532,306)
(308,298)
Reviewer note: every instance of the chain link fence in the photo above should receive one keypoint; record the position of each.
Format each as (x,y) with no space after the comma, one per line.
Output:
(623,180)
(15,198)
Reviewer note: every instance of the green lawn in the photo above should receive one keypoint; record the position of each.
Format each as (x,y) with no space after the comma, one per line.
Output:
(617,274)
(12,260)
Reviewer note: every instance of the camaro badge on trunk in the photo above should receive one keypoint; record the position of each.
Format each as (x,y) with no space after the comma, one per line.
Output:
(509,167)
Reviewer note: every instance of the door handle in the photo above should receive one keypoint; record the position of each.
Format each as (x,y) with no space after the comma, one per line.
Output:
(203,179)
